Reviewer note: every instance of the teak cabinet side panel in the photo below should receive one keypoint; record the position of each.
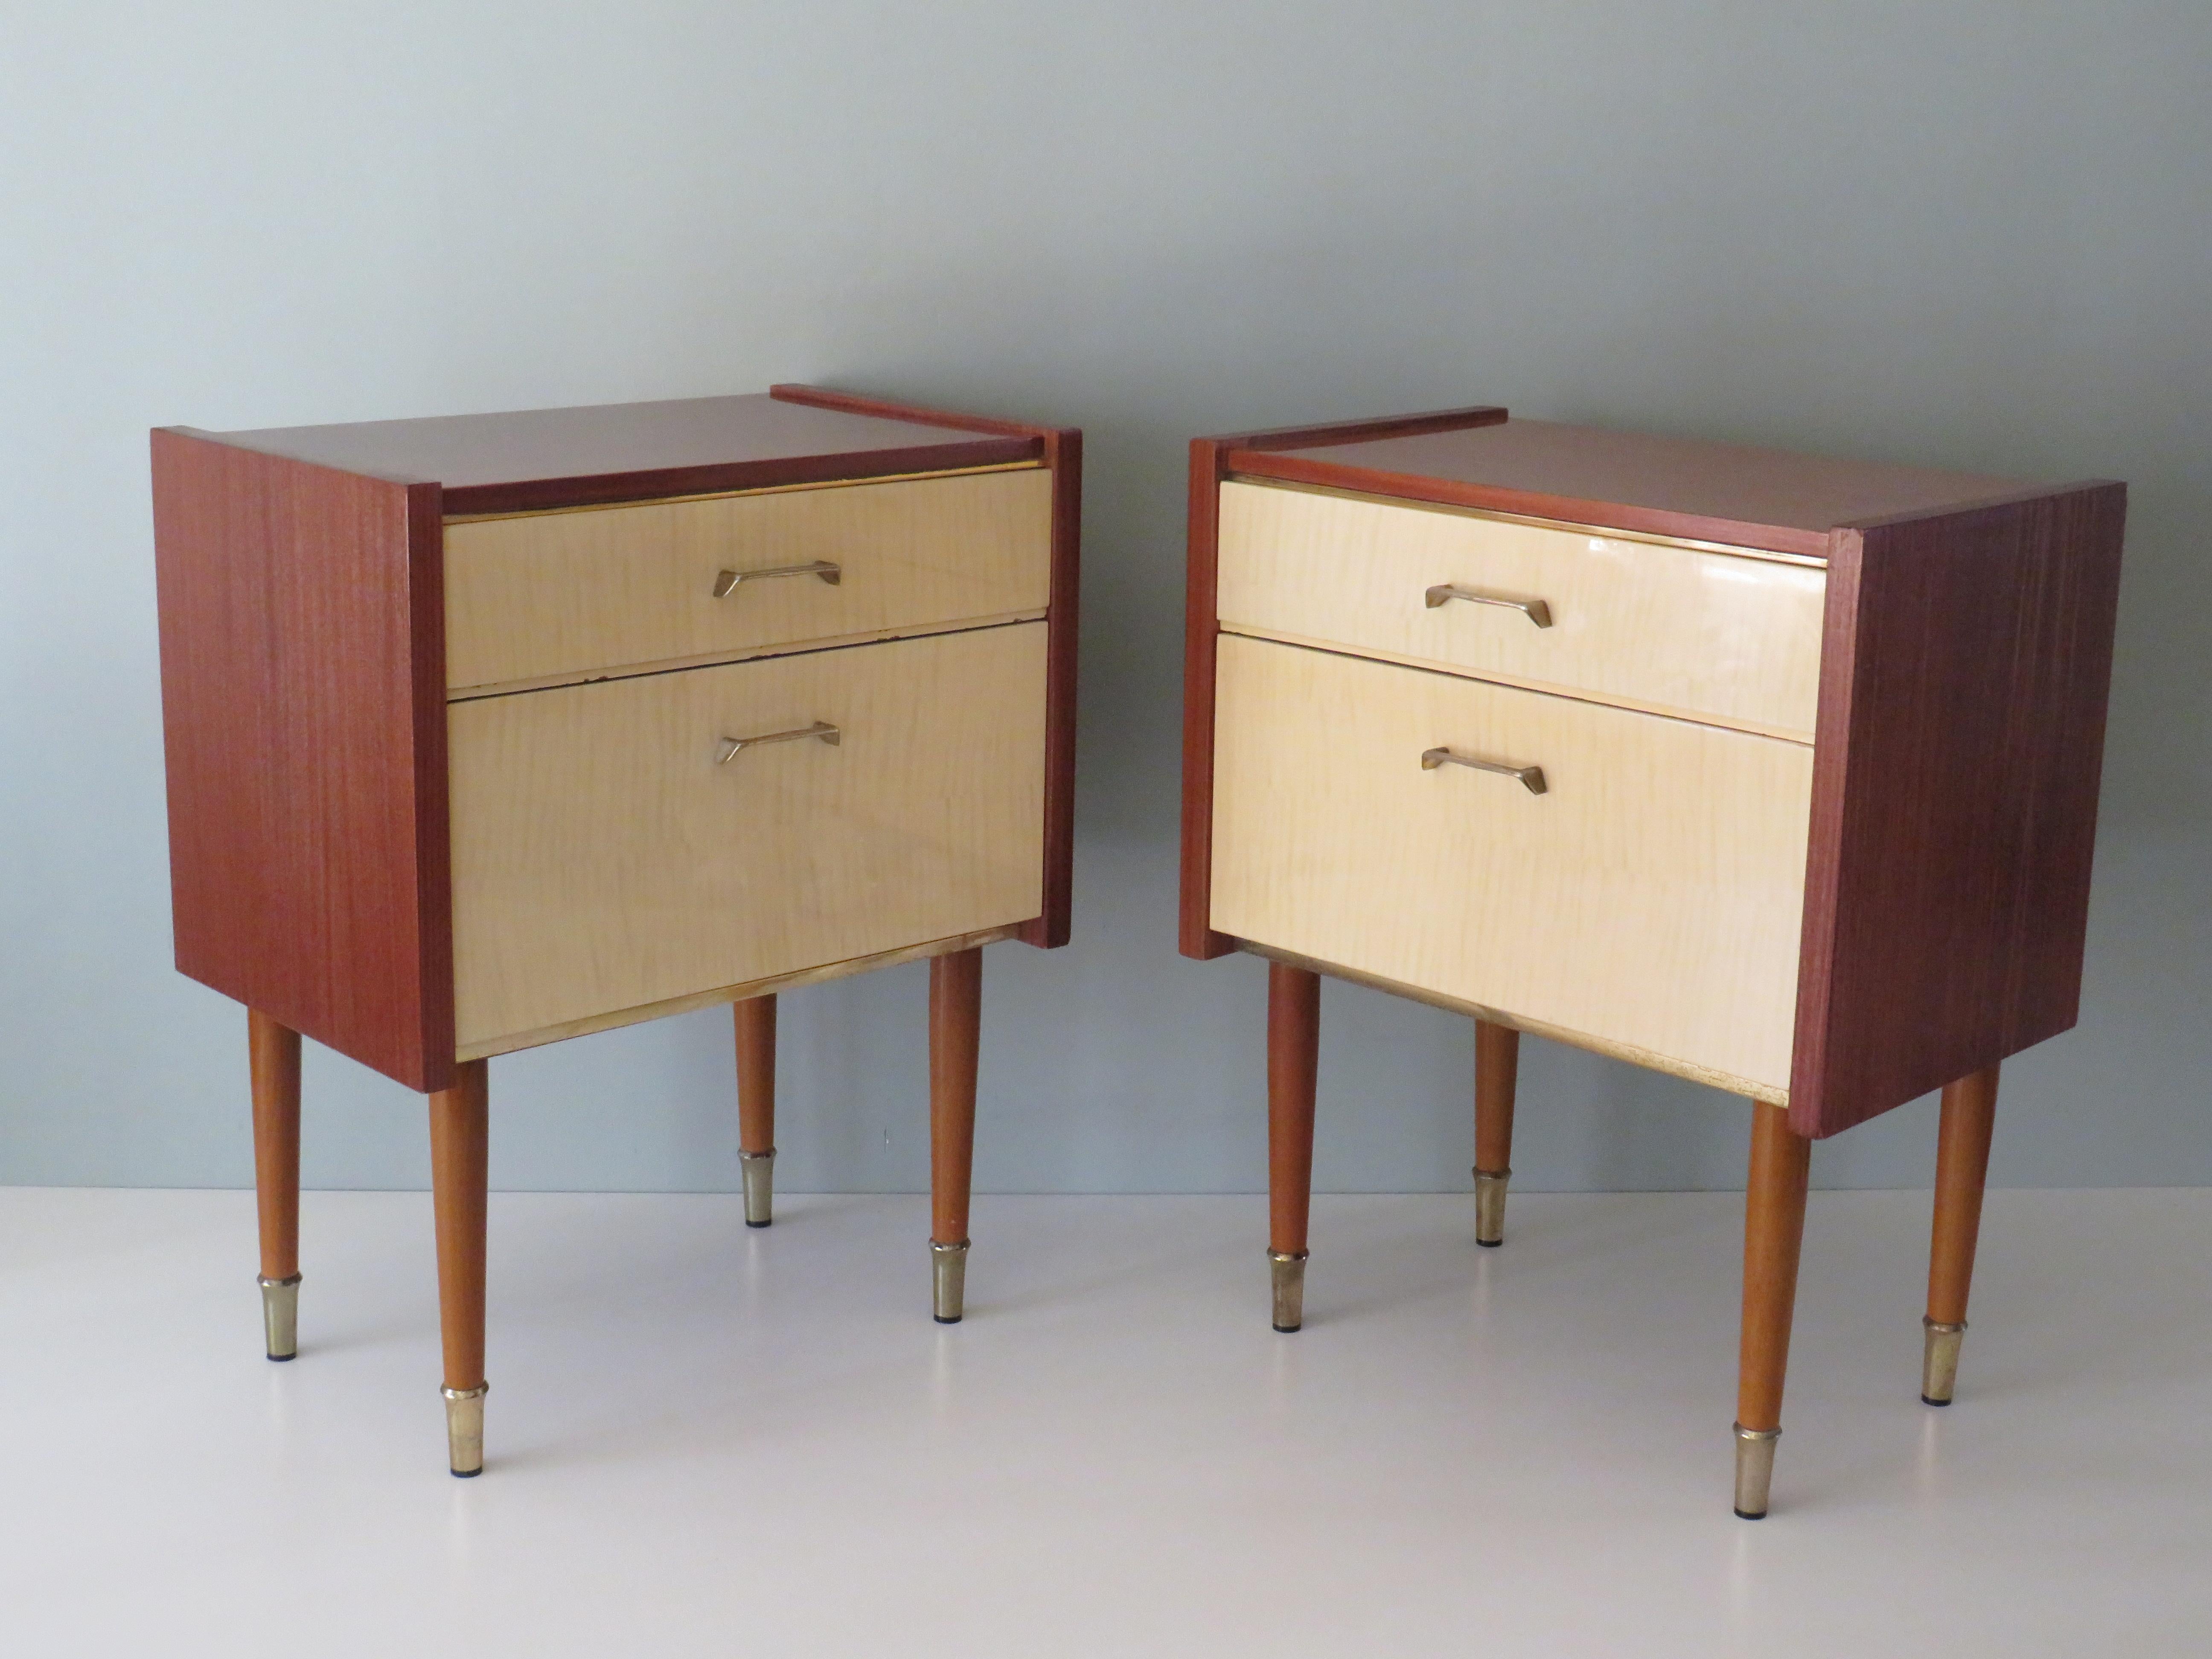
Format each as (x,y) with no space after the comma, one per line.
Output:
(1966,667)
(303,699)
(1200,647)
(1063,452)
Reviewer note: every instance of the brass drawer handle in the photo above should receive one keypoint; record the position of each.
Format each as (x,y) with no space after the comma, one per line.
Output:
(726,583)
(731,747)
(1530,778)
(1534,610)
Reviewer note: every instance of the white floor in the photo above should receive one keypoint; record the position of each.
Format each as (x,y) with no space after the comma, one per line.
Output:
(707,1440)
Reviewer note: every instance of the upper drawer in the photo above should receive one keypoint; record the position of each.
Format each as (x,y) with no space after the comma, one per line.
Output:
(567,595)
(1712,635)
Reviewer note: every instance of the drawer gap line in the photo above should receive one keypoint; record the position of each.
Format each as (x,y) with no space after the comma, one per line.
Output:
(1538,688)
(758,653)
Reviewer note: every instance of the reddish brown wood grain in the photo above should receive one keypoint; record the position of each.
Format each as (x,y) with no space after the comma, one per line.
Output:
(460,1183)
(1773,1237)
(527,460)
(956,1015)
(1064,455)
(1293,1073)
(1376,429)
(1632,481)
(1497,1078)
(752,1021)
(883,408)
(303,693)
(1965,667)
(1200,644)
(1061,448)
(1962,1171)
(1211,460)
(273,1066)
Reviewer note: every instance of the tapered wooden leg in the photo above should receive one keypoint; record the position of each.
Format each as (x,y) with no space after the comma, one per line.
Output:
(955,1010)
(273,1054)
(1773,1230)
(1497,1070)
(460,1174)
(755,1019)
(1293,1063)
(1962,1168)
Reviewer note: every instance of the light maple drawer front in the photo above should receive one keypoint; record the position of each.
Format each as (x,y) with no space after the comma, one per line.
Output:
(1649,898)
(1709,634)
(557,595)
(604,859)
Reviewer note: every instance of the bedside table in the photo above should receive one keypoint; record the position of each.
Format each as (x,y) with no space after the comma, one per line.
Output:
(489,731)
(1774,773)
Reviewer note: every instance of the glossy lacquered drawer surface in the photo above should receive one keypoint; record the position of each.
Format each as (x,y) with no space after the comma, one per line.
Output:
(1649,899)
(1675,630)
(606,857)
(541,597)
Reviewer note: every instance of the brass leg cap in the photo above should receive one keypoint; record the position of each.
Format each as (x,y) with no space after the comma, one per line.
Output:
(465,1429)
(280,1316)
(948,1265)
(1490,1206)
(758,1170)
(1288,1270)
(1939,1360)
(1754,1470)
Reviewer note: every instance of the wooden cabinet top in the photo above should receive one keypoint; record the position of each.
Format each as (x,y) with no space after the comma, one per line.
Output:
(545,458)
(1678,487)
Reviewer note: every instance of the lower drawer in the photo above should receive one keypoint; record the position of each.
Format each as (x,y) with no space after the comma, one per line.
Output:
(605,858)
(1648,900)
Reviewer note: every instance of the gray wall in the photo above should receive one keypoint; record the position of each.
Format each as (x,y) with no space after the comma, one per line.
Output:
(1974,235)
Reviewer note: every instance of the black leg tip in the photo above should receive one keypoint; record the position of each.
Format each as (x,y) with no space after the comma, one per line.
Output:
(770,1222)
(1925,1401)
(942,1320)
(1489,1244)
(280,1358)
(1746,1515)
(1290,1330)
(465,1475)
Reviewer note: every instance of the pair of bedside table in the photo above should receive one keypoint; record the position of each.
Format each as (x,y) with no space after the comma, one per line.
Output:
(1773,773)
(486,731)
